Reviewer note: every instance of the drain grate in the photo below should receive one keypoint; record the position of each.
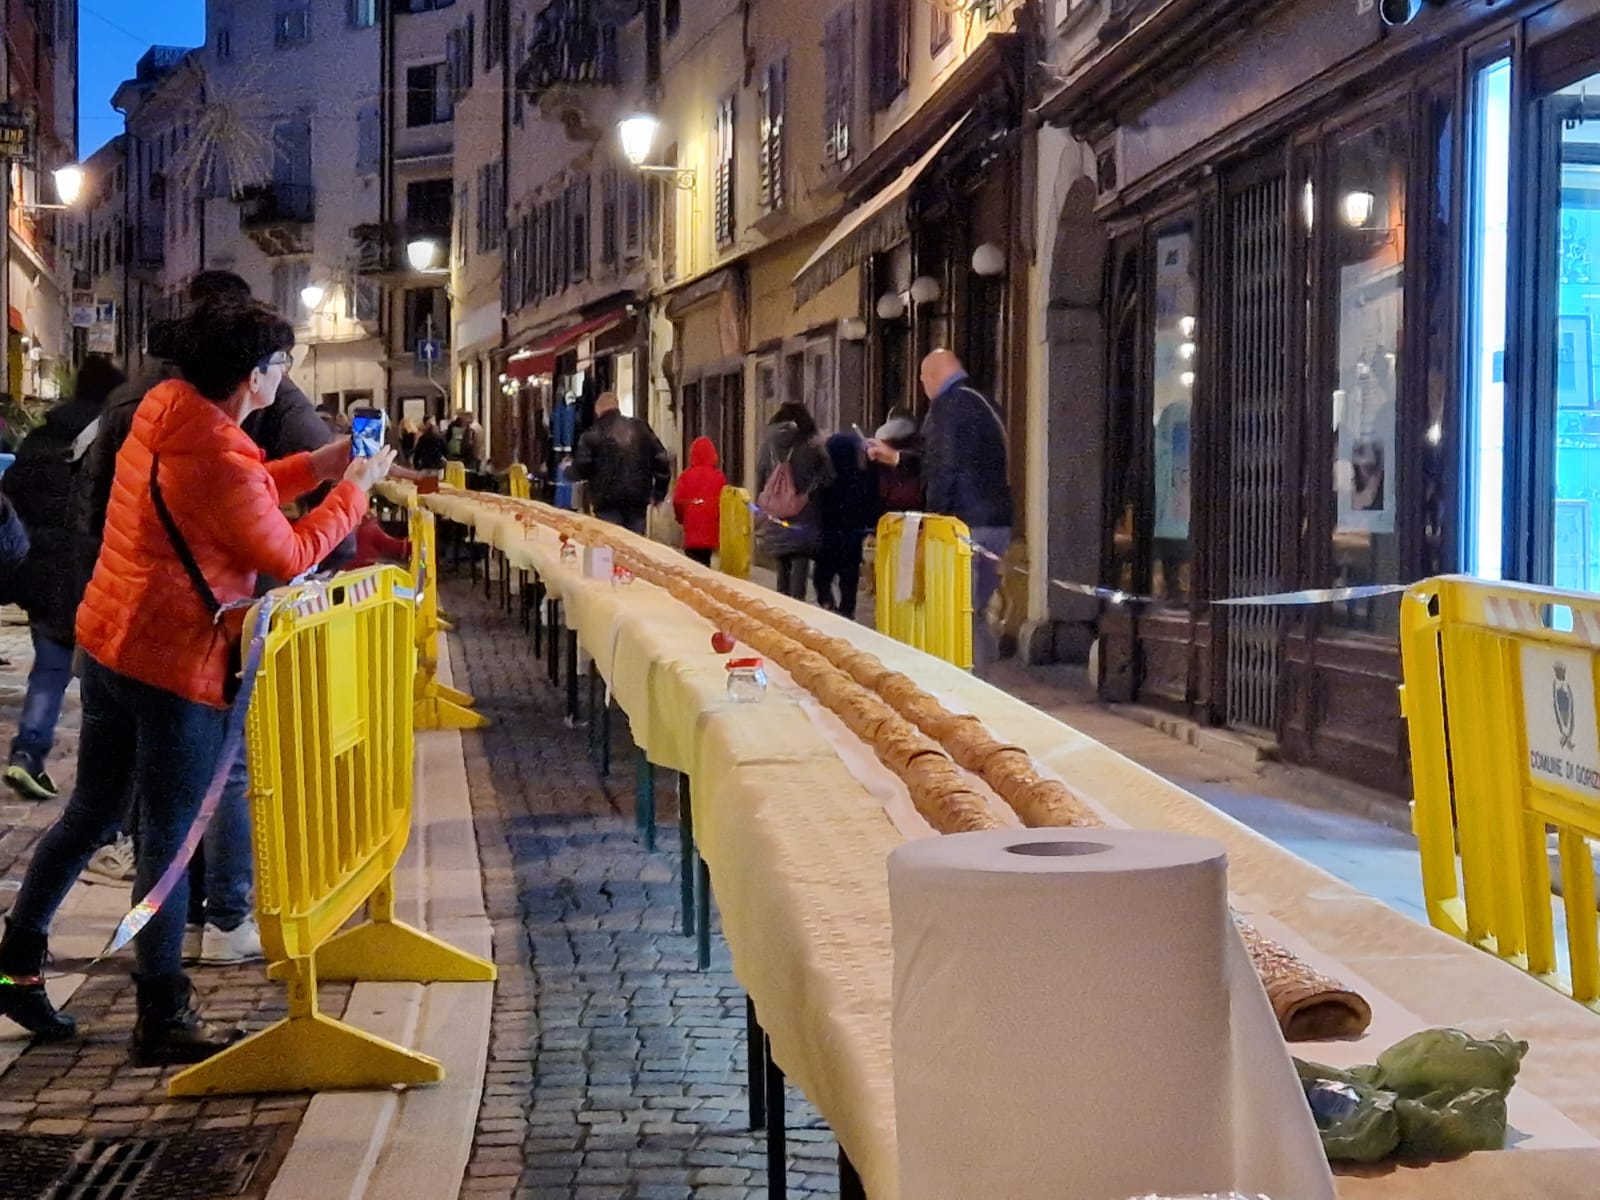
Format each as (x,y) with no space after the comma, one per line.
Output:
(236,1164)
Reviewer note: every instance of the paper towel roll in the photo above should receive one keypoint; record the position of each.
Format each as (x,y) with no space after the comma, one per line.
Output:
(1063,1018)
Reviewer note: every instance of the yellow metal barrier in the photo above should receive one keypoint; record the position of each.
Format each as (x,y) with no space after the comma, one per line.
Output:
(736,533)
(938,617)
(438,706)
(330,744)
(455,475)
(1499,699)
(521,483)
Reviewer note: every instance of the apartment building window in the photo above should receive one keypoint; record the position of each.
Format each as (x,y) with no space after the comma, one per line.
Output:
(839,85)
(609,225)
(428,100)
(429,206)
(427,315)
(421,6)
(578,201)
(669,220)
(459,57)
(292,152)
(491,212)
(369,140)
(671,16)
(288,280)
(292,26)
(494,32)
(633,190)
(518,102)
(770,157)
(363,14)
(724,217)
(224,45)
(941,30)
(891,51)
(458,238)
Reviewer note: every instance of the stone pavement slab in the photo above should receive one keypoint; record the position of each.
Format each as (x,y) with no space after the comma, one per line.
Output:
(616,1070)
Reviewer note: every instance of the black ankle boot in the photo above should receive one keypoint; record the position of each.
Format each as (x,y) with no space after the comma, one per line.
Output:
(168,1030)
(22,994)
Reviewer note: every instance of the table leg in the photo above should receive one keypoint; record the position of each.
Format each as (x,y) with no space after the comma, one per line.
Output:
(702,913)
(486,592)
(523,593)
(645,798)
(602,717)
(594,726)
(777,1135)
(572,675)
(686,850)
(850,1186)
(553,613)
(755,1065)
(538,617)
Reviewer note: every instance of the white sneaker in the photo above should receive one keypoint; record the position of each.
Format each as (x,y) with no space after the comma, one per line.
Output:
(111,864)
(220,947)
(193,941)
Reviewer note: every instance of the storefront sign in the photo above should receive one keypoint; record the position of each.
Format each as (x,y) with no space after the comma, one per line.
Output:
(1558,708)
(82,310)
(16,134)
(102,338)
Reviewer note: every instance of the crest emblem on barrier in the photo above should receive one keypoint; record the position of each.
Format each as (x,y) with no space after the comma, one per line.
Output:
(1565,710)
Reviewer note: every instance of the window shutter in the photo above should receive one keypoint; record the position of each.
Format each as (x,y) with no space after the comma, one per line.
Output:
(608,218)
(839,69)
(724,215)
(770,158)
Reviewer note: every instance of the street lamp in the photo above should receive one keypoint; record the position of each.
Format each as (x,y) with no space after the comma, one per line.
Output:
(69,184)
(638,134)
(312,295)
(422,254)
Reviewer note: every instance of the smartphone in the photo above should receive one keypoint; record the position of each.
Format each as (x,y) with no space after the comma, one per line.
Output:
(368,429)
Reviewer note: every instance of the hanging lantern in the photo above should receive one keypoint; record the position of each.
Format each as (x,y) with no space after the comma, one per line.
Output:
(891,307)
(989,260)
(925,289)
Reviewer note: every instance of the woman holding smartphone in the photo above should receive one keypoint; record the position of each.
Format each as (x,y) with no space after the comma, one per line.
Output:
(194,516)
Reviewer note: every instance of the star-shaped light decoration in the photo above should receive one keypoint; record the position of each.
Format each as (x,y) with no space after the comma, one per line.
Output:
(230,144)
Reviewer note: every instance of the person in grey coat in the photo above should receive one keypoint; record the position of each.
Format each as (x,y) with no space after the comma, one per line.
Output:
(791,438)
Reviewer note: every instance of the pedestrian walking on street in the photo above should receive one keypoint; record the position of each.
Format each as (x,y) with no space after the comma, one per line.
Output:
(47,585)
(623,464)
(697,501)
(194,517)
(791,469)
(461,440)
(849,508)
(429,452)
(964,475)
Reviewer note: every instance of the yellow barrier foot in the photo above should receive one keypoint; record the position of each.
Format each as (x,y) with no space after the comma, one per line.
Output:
(310,1053)
(435,712)
(393,952)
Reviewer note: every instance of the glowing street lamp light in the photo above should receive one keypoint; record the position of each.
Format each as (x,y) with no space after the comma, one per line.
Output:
(312,295)
(69,183)
(422,254)
(638,135)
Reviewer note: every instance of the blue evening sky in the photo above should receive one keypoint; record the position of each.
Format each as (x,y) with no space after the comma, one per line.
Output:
(112,36)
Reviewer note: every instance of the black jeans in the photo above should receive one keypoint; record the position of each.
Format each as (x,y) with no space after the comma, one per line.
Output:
(631,519)
(840,558)
(792,572)
(703,557)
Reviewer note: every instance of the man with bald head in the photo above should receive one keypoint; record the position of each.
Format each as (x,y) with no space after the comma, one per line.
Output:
(624,465)
(964,476)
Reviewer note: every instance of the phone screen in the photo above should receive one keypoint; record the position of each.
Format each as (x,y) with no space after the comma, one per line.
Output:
(366,434)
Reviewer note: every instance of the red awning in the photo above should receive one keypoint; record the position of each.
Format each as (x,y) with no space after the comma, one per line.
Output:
(14,318)
(539,358)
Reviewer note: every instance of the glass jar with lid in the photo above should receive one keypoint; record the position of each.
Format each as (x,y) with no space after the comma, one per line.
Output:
(747,680)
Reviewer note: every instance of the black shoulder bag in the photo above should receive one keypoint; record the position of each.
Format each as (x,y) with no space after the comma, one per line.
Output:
(230,685)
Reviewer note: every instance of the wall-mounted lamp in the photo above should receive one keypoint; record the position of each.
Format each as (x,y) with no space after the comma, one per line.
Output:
(1358,207)
(312,296)
(422,254)
(925,289)
(853,329)
(1186,326)
(69,186)
(637,133)
(891,306)
(989,259)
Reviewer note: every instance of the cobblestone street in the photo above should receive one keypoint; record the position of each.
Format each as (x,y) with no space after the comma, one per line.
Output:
(617,1071)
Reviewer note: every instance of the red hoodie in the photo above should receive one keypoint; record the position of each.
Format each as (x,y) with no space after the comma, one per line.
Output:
(697,499)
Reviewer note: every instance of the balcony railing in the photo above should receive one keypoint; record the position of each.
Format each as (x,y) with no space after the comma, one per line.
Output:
(278,216)
(575,43)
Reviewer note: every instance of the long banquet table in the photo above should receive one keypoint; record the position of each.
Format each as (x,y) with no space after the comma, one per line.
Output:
(796,847)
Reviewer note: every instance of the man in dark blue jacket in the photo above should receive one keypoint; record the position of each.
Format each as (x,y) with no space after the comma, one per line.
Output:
(964,476)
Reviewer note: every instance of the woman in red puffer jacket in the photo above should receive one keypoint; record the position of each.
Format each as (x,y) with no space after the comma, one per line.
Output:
(697,501)
(189,484)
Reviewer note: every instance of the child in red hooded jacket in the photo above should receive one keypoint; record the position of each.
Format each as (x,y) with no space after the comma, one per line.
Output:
(697,501)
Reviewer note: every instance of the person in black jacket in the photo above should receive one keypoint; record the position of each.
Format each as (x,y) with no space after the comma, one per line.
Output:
(849,508)
(624,464)
(48,586)
(964,475)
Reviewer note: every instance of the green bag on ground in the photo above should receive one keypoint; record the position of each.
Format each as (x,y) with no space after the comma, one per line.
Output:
(1437,1094)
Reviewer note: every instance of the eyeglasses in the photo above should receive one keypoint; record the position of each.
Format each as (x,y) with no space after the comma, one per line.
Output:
(280,359)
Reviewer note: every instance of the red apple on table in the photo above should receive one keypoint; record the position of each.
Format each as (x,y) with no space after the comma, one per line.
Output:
(722,642)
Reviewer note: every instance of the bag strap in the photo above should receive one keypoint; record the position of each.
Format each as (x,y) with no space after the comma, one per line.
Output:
(180,547)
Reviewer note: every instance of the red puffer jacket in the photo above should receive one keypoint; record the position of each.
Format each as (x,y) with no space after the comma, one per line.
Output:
(697,499)
(141,615)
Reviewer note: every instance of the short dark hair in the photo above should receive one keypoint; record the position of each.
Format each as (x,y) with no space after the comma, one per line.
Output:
(96,380)
(219,344)
(209,286)
(792,412)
